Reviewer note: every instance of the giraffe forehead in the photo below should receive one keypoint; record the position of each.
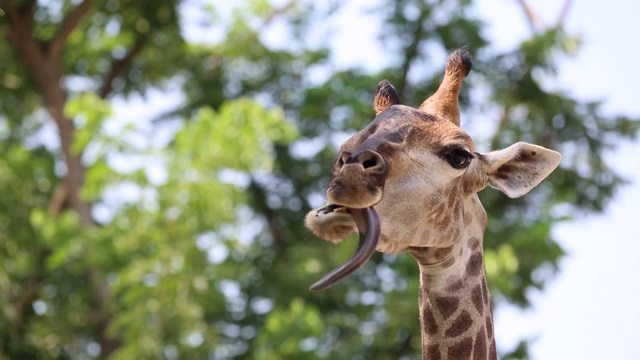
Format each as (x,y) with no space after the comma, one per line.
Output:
(404,124)
(439,135)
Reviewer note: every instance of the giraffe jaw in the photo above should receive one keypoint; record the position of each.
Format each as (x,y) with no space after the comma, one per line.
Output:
(368,225)
(330,222)
(330,208)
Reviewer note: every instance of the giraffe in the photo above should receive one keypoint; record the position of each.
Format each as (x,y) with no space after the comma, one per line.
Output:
(408,182)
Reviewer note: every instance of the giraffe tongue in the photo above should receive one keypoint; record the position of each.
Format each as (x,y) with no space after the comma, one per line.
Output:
(369,232)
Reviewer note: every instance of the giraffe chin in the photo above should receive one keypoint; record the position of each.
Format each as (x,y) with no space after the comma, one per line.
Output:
(368,224)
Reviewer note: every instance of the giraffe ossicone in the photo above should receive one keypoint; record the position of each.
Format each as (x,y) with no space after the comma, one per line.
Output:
(408,182)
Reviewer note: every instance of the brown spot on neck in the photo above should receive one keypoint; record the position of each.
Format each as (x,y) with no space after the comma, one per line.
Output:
(447,305)
(460,325)
(461,350)
(477,297)
(474,266)
(432,352)
(480,345)
(429,321)
(474,243)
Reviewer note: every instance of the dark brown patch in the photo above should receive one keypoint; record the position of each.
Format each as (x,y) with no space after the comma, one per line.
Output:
(441,254)
(461,324)
(505,171)
(492,351)
(477,298)
(527,156)
(385,97)
(474,266)
(429,321)
(455,286)
(480,345)
(447,305)
(474,243)
(432,352)
(461,350)
(459,62)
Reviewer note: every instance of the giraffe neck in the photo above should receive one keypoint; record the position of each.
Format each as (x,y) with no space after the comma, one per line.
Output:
(455,307)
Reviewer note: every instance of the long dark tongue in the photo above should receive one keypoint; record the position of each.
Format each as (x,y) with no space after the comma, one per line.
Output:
(369,232)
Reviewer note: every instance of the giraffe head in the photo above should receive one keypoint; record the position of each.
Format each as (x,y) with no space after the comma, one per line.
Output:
(401,180)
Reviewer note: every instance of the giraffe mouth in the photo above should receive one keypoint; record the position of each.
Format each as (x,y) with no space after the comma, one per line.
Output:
(368,224)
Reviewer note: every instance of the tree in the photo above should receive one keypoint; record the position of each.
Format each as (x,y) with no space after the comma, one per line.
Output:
(115,244)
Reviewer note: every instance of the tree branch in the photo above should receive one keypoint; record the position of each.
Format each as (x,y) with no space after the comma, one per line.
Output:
(411,52)
(10,11)
(29,292)
(13,12)
(7,9)
(504,118)
(118,66)
(273,14)
(69,23)
(19,34)
(45,68)
(535,22)
(58,199)
(563,13)
(259,197)
(28,8)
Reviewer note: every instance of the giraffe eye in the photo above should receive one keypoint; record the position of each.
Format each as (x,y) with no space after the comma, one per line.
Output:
(459,158)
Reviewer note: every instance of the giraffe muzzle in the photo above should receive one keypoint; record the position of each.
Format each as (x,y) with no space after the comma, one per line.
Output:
(368,224)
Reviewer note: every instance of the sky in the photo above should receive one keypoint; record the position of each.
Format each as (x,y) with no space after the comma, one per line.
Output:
(590,310)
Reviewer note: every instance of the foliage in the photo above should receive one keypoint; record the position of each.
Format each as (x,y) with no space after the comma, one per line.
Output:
(198,250)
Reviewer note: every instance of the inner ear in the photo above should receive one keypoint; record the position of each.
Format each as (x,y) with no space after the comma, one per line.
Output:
(520,167)
(385,97)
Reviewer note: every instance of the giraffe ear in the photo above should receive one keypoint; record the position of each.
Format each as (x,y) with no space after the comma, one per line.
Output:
(385,97)
(520,167)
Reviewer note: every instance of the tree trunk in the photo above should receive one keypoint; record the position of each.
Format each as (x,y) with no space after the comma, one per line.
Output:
(45,65)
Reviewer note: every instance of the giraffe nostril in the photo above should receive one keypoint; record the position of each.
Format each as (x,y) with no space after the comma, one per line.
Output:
(343,159)
(369,163)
